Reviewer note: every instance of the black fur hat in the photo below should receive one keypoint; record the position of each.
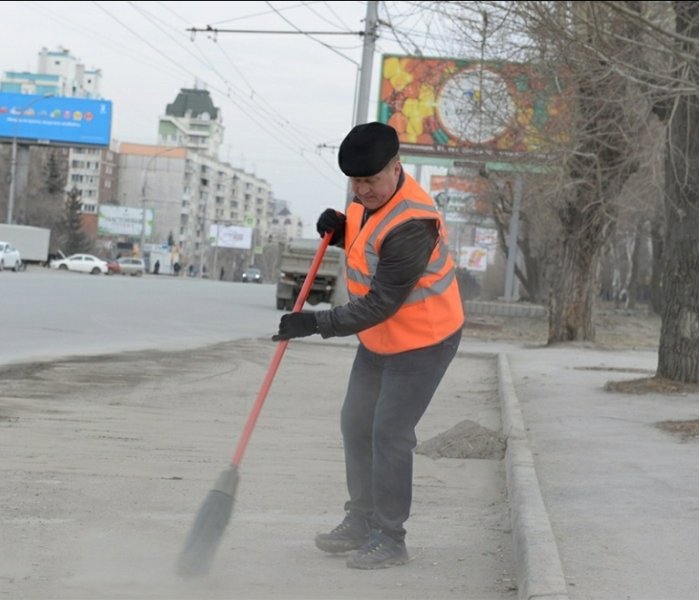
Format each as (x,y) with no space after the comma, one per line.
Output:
(367,149)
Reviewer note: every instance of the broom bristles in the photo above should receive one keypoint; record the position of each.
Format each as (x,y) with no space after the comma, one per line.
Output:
(211,521)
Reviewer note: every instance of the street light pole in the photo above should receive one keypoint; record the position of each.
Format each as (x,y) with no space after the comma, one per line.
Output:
(13,160)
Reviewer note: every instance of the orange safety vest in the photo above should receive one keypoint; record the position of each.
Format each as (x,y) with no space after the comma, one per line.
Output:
(433,310)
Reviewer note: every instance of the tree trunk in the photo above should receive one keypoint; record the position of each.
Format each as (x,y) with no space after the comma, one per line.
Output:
(678,352)
(572,297)
(634,267)
(656,277)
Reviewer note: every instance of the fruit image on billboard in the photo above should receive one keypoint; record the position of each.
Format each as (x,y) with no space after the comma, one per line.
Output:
(453,106)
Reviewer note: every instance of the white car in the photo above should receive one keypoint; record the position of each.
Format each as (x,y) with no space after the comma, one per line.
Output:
(82,263)
(9,257)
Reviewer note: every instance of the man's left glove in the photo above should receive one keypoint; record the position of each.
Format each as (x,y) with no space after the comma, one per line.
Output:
(294,325)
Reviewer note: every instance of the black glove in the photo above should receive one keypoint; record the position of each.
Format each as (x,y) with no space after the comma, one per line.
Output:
(332,220)
(294,325)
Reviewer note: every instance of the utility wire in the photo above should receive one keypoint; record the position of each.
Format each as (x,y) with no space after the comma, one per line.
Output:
(266,12)
(312,38)
(261,124)
(217,30)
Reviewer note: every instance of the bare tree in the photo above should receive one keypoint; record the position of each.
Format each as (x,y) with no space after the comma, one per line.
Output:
(678,353)
(538,236)
(568,43)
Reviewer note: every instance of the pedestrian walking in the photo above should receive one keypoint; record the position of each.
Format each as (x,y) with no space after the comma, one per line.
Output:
(405,308)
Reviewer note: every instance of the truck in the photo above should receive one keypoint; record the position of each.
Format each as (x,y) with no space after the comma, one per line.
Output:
(296,259)
(32,242)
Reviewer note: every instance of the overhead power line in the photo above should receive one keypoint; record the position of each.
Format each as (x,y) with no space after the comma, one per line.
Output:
(209,29)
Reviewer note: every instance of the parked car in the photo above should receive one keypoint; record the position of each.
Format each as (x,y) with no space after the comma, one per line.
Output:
(9,257)
(127,265)
(112,265)
(252,275)
(82,263)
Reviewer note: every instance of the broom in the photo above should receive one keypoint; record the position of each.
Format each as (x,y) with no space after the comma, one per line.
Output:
(214,514)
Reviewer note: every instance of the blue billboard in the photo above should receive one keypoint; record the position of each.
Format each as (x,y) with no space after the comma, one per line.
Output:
(55,119)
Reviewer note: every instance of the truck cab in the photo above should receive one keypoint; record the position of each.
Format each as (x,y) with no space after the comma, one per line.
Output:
(296,260)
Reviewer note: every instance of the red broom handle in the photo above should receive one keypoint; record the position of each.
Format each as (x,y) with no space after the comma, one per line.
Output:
(281,348)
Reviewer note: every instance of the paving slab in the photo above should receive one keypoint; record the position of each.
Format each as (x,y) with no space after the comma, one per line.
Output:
(621,494)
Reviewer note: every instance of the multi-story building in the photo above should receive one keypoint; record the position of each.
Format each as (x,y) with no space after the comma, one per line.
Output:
(58,73)
(192,121)
(214,192)
(93,171)
(180,180)
(73,78)
(188,193)
(284,226)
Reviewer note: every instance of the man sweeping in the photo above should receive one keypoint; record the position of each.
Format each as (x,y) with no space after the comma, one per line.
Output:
(405,308)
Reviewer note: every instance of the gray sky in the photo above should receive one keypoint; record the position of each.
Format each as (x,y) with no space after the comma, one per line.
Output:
(287,100)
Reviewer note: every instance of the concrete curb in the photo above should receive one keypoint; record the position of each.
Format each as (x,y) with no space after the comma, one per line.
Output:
(505,309)
(538,565)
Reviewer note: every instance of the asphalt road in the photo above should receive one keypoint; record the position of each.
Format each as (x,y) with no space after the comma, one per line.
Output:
(107,457)
(47,314)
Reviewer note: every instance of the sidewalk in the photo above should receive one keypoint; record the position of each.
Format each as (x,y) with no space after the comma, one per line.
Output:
(107,459)
(621,495)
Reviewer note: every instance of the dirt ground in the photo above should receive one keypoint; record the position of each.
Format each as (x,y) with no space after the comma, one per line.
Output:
(107,458)
(615,328)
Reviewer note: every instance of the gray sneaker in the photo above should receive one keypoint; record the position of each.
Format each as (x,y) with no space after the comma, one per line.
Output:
(380,552)
(351,534)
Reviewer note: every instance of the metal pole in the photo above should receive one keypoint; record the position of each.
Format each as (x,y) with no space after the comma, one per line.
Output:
(372,19)
(13,160)
(143,219)
(361,114)
(13,181)
(213,270)
(512,240)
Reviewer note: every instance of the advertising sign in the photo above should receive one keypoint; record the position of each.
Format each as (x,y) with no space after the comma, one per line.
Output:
(460,198)
(486,238)
(56,120)
(473,258)
(123,220)
(230,236)
(466,107)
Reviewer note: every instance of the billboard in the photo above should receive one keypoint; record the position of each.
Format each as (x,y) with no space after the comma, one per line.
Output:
(473,258)
(466,107)
(461,199)
(230,236)
(123,220)
(55,119)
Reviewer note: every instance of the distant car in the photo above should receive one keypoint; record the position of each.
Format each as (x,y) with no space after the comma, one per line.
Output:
(9,257)
(131,266)
(252,275)
(112,266)
(82,263)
